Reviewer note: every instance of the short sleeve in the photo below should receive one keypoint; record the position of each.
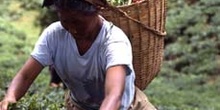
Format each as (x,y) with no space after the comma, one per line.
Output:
(118,49)
(41,51)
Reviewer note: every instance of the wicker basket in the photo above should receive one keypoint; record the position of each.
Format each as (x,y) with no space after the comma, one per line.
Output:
(144,24)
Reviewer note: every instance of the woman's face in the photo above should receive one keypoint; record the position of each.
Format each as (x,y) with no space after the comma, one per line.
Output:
(75,21)
(69,19)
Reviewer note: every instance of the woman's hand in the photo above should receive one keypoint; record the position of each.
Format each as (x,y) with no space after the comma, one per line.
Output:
(5,103)
(21,82)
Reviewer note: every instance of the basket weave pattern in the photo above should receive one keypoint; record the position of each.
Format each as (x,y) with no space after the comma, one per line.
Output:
(144,24)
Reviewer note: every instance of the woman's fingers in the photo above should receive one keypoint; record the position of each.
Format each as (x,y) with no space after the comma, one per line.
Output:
(4,105)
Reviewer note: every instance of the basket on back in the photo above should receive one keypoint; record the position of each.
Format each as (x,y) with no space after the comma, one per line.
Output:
(144,24)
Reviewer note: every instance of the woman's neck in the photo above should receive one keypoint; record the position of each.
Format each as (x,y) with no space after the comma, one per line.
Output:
(85,40)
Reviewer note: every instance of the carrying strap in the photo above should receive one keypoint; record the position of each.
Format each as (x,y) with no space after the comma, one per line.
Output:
(115,9)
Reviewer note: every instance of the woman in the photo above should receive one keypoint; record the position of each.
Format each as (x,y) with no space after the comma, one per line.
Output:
(92,57)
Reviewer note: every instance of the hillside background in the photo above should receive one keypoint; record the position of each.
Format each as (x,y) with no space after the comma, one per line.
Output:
(189,77)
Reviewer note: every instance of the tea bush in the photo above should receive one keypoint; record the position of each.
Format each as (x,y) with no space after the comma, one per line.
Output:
(191,43)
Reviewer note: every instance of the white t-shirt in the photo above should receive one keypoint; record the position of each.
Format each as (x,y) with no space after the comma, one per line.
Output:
(84,74)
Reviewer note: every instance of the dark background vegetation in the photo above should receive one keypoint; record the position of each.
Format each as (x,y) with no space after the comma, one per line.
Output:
(189,77)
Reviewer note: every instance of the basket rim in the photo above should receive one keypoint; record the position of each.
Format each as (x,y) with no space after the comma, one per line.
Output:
(119,10)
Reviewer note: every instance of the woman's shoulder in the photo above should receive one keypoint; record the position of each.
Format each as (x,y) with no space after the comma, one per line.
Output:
(55,30)
(114,33)
(55,26)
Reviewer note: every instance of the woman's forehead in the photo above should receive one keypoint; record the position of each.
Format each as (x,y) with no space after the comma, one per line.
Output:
(80,5)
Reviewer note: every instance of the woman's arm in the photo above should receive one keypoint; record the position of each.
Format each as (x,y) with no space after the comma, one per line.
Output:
(21,82)
(114,87)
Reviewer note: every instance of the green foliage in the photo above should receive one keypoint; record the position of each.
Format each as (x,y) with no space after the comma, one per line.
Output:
(14,50)
(48,99)
(193,37)
(11,43)
(118,2)
(190,73)
(7,12)
(176,91)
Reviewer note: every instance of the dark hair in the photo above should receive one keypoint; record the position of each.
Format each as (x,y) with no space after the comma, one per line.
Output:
(79,5)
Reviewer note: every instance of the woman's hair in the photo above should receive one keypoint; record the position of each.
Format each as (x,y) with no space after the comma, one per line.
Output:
(79,5)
